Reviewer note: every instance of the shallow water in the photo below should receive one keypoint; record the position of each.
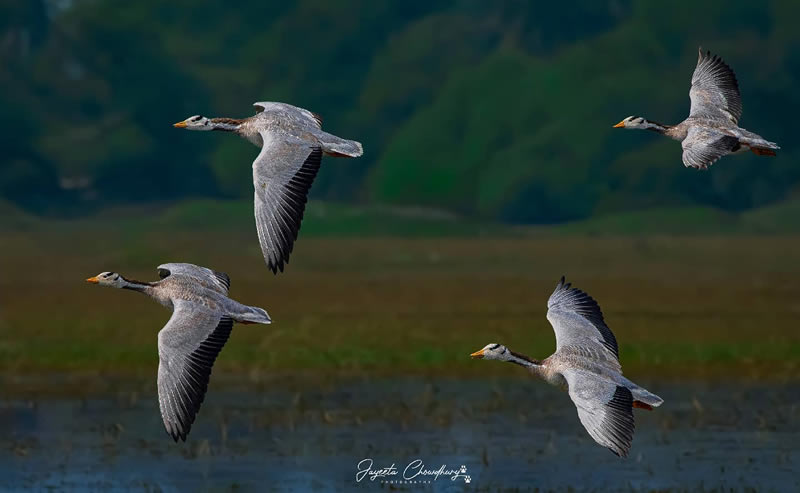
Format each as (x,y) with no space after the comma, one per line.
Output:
(507,433)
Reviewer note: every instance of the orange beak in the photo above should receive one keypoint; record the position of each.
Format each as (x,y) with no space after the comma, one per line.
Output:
(179,124)
(620,124)
(477,354)
(93,280)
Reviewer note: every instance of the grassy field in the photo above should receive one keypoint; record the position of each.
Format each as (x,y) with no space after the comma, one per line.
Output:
(679,305)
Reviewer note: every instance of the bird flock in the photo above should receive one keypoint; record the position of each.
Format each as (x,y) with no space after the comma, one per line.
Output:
(586,361)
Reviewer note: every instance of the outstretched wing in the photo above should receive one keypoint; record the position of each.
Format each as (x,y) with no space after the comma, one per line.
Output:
(578,322)
(211,279)
(187,348)
(604,408)
(289,112)
(283,174)
(715,90)
(702,147)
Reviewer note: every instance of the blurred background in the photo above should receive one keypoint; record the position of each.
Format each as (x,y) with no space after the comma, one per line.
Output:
(501,111)
(490,169)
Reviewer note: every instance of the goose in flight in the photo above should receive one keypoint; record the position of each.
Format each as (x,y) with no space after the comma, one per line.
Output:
(201,322)
(292,144)
(585,364)
(712,129)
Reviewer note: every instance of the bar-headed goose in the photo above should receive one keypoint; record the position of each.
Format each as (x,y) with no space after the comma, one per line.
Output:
(585,364)
(712,129)
(292,144)
(201,322)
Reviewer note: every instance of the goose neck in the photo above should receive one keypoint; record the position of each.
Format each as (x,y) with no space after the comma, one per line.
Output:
(656,127)
(522,360)
(134,285)
(226,124)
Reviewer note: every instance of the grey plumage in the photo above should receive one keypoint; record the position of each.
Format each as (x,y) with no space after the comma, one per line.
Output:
(586,358)
(292,145)
(714,93)
(586,364)
(604,408)
(568,310)
(201,322)
(218,281)
(712,129)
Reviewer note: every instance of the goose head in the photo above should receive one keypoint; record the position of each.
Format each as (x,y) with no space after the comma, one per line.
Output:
(639,122)
(493,351)
(108,279)
(633,122)
(195,122)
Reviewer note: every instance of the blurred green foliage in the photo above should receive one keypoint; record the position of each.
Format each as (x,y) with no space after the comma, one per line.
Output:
(493,110)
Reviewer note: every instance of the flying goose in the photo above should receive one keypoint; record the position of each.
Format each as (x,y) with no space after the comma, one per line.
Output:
(201,322)
(586,364)
(292,144)
(712,129)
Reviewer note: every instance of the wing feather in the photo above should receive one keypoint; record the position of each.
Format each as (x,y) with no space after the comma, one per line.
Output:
(282,175)
(702,147)
(578,321)
(715,90)
(604,408)
(188,346)
(211,279)
(288,111)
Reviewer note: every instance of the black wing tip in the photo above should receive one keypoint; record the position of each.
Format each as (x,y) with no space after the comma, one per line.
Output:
(622,453)
(717,60)
(622,401)
(224,278)
(276,266)
(563,285)
(707,55)
(176,434)
(623,395)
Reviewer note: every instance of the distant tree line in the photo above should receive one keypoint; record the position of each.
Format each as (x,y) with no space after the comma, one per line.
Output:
(498,110)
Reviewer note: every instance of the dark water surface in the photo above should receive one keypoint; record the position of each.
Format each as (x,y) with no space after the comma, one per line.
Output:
(507,433)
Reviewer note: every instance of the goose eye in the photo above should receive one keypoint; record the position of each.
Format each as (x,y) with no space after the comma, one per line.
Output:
(163,273)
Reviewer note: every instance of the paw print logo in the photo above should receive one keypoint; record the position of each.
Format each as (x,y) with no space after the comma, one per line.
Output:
(467,479)
(463,468)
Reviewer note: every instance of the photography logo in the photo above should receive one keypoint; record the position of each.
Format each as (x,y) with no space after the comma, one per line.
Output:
(415,472)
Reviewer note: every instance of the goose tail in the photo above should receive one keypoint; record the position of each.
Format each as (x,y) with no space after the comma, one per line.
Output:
(338,147)
(253,315)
